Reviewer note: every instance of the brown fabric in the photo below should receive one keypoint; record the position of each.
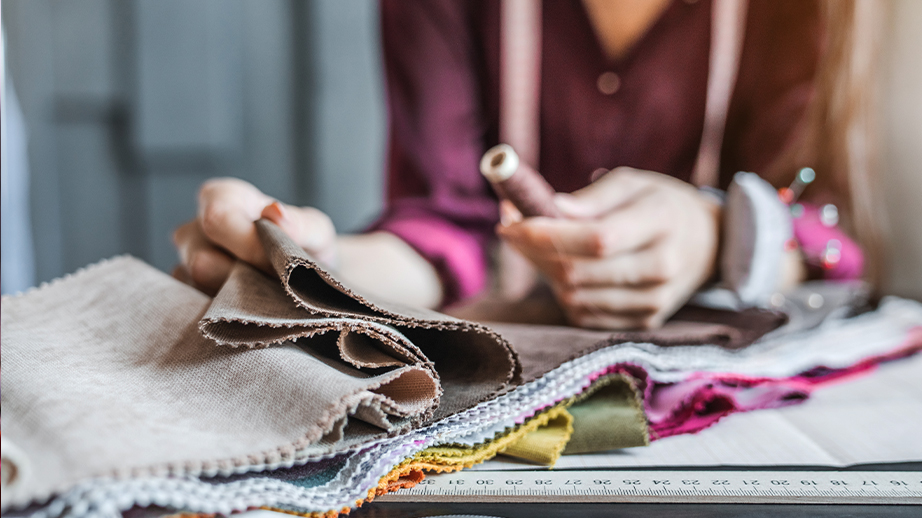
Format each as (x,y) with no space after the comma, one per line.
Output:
(473,362)
(728,329)
(536,326)
(543,348)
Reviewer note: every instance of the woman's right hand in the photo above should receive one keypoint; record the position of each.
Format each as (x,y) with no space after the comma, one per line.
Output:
(223,231)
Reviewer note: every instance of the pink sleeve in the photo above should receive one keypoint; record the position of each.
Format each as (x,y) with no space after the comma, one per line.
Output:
(437,201)
(457,255)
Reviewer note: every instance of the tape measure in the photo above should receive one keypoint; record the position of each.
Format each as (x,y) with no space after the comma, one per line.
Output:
(776,487)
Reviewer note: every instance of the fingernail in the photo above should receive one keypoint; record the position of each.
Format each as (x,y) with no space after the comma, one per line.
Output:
(508,214)
(505,218)
(275,212)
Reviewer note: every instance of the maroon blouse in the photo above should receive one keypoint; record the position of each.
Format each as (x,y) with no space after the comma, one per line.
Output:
(645,110)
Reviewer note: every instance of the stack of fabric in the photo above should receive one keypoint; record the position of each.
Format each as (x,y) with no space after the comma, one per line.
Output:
(124,388)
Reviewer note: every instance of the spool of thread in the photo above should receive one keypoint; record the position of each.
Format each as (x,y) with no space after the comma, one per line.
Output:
(515,181)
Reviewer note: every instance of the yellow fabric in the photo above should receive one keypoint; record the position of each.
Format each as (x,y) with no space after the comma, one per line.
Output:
(606,416)
(551,429)
(445,459)
(541,439)
(545,444)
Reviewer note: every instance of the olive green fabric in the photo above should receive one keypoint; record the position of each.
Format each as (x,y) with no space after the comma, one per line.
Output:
(608,416)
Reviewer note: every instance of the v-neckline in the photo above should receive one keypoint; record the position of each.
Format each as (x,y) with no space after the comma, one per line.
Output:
(632,49)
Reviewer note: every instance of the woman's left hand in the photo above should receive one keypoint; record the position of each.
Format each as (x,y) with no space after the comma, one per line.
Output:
(633,247)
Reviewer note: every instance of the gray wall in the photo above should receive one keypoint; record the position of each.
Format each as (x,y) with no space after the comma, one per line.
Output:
(131,104)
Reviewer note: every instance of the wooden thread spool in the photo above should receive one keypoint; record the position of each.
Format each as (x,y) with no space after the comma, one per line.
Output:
(515,181)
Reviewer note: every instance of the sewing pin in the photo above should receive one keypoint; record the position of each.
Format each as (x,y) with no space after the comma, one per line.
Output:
(804,178)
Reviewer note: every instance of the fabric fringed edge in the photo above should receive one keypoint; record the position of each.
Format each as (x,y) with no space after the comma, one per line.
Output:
(469,456)
(541,417)
(628,373)
(805,382)
(337,325)
(265,229)
(70,277)
(391,318)
(638,378)
(403,476)
(412,470)
(400,478)
(282,456)
(310,328)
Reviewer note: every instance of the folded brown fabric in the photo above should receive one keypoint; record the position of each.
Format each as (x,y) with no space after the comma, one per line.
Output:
(472,361)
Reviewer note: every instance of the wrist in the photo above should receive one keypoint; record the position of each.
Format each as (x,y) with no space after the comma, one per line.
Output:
(713,202)
(386,266)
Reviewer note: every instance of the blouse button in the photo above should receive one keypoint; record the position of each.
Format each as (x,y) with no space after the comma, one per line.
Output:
(608,83)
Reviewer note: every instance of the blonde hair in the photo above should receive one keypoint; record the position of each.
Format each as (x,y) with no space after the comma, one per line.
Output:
(839,128)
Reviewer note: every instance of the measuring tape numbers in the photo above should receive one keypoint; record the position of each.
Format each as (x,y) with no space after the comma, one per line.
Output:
(803,487)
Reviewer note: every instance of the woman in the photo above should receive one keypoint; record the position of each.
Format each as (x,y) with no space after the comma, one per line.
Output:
(624,86)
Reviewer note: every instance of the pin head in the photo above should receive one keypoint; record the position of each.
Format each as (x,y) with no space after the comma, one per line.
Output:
(806,175)
(829,215)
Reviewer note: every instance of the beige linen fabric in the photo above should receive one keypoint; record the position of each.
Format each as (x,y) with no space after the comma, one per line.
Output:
(106,373)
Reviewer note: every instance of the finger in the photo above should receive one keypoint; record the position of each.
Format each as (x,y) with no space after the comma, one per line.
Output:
(630,228)
(227,210)
(613,190)
(616,301)
(206,266)
(508,213)
(647,267)
(309,228)
(182,275)
(599,320)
